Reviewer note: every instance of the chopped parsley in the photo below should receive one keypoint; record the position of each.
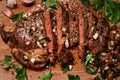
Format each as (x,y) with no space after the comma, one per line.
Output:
(21,72)
(17,16)
(31,32)
(65,69)
(48,75)
(85,2)
(51,4)
(7,60)
(88,58)
(73,77)
(49,65)
(91,70)
(98,77)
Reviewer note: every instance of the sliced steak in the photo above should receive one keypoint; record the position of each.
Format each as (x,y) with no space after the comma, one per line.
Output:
(65,57)
(54,30)
(30,38)
(81,36)
(48,29)
(96,33)
(73,29)
(65,28)
(59,28)
(30,31)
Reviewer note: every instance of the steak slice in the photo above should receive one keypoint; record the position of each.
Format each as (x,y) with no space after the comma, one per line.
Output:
(30,31)
(59,28)
(65,58)
(82,27)
(65,28)
(73,29)
(48,29)
(96,33)
(54,30)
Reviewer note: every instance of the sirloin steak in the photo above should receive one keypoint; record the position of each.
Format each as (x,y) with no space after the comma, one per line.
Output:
(43,34)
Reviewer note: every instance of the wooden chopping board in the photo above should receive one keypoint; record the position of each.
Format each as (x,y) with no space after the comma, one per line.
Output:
(78,68)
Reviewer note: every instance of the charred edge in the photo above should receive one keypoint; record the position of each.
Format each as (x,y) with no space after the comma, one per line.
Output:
(65,58)
(18,55)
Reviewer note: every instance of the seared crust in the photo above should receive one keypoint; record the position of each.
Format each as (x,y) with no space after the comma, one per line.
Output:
(35,59)
(44,31)
(30,31)
(31,38)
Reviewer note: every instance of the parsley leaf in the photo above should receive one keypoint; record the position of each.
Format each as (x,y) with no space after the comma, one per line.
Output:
(91,70)
(48,75)
(88,58)
(65,69)
(98,77)
(73,77)
(85,2)
(52,4)
(17,16)
(49,65)
(97,4)
(7,60)
(21,73)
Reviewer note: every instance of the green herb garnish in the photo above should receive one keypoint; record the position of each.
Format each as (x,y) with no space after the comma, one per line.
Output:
(109,8)
(91,70)
(48,75)
(48,65)
(97,4)
(65,69)
(17,16)
(73,77)
(98,77)
(21,72)
(85,2)
(7,60)
(88,58)
(52,4)
(31,32)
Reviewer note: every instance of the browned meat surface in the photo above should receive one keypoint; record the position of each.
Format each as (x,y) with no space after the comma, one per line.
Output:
(44,35)
(59,27)
(65,28)
(48,29)
(54,30)
(73,28)
(30,31)
(65,58)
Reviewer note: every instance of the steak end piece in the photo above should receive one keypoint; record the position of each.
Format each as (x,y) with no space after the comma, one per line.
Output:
(35,59)
(65,57)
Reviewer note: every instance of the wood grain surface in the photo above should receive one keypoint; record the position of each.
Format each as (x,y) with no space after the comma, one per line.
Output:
(78,68)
